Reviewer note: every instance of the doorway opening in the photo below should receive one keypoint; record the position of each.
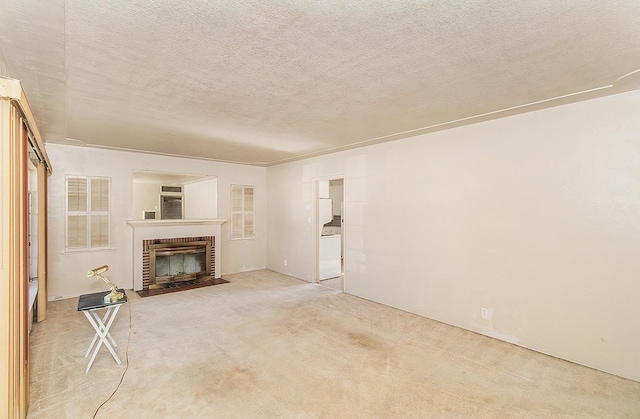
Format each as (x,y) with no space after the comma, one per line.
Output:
(330,233)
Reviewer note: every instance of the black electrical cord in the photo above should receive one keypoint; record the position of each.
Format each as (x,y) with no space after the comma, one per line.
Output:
(126,356)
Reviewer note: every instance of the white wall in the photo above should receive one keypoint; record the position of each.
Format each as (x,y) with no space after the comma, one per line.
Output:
(535,217)
(200,199)
(336,191)
(147,198)
(68,271)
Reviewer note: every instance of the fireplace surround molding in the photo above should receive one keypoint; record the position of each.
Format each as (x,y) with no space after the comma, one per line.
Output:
(166,229)
(169,223)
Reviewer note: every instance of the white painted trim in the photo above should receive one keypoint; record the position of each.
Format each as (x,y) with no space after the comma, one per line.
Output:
(159,223)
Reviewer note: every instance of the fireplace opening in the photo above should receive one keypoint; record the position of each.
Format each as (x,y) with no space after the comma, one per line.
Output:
(178,262)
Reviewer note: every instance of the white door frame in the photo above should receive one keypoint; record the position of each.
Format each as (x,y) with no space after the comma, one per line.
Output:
(316,226)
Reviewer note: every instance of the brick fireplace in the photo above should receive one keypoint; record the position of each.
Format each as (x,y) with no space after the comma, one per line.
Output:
(160,232)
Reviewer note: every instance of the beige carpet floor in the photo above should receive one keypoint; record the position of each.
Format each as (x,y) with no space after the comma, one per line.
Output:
(336,283)
(270,346)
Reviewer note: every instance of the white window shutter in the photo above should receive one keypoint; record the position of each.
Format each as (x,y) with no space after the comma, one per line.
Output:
(88,212)
(242,212)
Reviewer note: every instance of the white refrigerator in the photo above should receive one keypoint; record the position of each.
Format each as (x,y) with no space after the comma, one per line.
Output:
(329,260)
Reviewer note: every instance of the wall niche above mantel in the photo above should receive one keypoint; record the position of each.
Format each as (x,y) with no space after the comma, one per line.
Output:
(171,196)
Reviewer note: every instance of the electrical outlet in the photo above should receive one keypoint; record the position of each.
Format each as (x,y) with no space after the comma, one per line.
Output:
(484,313)
(285,262)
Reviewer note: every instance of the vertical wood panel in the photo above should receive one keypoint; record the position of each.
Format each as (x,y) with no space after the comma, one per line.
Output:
(22,164)
(6,399)
(18,269)
(14,262)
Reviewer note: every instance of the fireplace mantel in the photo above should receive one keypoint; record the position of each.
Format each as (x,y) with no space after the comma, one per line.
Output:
(160,223)
(163,229)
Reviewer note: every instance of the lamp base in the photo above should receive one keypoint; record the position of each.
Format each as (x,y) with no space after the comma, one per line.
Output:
(113,296)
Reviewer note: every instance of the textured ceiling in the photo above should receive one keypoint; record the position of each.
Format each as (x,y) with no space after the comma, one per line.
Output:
(265,82)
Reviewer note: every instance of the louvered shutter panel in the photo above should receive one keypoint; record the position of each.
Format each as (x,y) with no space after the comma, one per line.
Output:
(76,213)
(99,195)
(77,232)
(248,225)
(236,212)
